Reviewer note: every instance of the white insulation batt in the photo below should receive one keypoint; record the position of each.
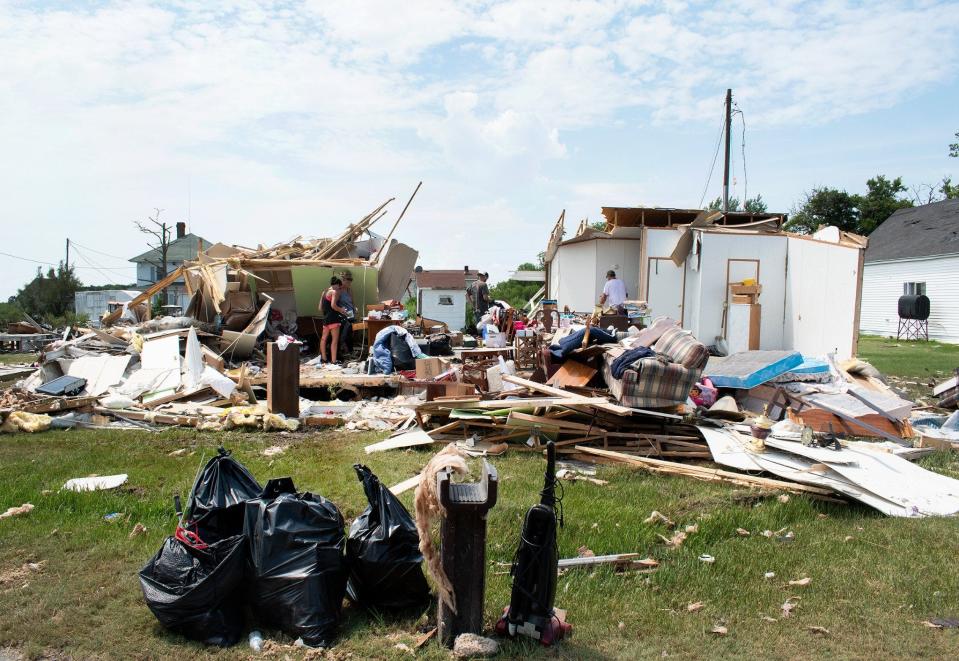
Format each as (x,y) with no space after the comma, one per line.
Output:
(888,483)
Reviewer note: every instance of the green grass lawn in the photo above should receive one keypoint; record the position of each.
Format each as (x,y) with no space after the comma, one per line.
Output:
(874,579)
(12,358)
(934,361)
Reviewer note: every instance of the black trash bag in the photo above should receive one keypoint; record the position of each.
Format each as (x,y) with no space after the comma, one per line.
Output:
(216,504)
(440,344)
(403,358)
(198,592)
(383,553)
(296,543)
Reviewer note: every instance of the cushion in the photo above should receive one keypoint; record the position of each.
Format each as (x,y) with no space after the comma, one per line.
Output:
(681,347)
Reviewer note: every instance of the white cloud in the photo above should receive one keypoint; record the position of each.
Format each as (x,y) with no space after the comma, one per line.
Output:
(306,113)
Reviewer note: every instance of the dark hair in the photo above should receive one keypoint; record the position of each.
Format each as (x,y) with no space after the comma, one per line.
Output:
(610,274)
(335,281)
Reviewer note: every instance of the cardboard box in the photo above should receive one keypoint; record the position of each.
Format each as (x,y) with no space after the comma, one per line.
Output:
(428,368)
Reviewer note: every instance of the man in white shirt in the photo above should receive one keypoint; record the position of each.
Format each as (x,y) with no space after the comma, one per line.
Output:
(614,293)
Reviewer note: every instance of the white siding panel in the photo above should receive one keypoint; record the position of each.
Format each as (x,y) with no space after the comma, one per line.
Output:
(821,298)
(453,316)
(717,249)
(882,287)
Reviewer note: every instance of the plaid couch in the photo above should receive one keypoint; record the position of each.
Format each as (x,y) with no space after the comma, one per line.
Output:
(663,380)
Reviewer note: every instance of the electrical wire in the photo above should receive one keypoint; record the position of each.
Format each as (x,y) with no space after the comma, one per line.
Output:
(709,177)
(742,116)
(98,269)
(37,261)
(99,252)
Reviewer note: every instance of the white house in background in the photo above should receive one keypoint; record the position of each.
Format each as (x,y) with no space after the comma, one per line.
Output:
(441,295)
(95,302)
(184,247)
(916,251)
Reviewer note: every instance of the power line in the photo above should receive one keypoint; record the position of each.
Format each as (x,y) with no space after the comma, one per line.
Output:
(99,252)
(709,178)
(105,275)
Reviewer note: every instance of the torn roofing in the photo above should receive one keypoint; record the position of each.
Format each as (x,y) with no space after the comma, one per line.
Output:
(932,229)
(443,279)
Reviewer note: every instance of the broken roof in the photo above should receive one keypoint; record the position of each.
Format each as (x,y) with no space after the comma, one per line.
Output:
(932,229)
(180,250)
(444,279)
(667,217)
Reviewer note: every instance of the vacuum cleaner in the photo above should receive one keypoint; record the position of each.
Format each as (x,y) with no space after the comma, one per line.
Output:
(534,570)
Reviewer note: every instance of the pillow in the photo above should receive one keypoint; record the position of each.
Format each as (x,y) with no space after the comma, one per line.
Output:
(681,347)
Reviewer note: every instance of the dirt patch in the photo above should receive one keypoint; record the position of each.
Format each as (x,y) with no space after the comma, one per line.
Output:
(15,577)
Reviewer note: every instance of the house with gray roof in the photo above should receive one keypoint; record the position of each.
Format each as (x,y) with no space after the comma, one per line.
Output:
(915,251)
(183,248)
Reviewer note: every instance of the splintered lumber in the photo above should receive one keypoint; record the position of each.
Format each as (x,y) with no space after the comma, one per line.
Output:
(604,404)
(703,473)
(405,440)
(572,373)
(151,416)
(405,485)
(618,559)
(529,403)
(145,295)
(51,404)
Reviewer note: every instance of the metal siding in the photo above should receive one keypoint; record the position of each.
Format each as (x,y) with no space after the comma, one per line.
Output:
(453,316)
(882,287)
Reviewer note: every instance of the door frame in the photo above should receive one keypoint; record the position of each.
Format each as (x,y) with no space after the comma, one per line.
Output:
(682,300)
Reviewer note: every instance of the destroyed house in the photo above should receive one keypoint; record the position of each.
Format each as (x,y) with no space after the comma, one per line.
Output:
(682,264)
(185,247)
(915,251)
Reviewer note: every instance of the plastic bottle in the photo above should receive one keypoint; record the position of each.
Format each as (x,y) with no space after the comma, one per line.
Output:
(256,641)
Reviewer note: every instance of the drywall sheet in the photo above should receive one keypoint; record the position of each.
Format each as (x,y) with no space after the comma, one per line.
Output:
(821,305)
(572,276)
(100,371)
(161,353)
(309,283)
(750,368)
(729,258)
(395,271)
(732,449)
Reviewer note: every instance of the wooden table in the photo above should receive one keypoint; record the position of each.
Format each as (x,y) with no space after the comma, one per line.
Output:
(374,326)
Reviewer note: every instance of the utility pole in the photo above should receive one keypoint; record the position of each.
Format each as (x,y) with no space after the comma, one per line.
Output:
(729,108)
(67,262)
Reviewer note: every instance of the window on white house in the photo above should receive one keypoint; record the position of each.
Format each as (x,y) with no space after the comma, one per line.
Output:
(446,300)
(914,289)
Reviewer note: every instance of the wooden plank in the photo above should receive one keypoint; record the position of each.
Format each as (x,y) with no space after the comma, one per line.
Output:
(146,295)
(212,358)
(406,440)
(183,394)
(518,419)
(405,485)
(283,380)
(702,473)
(572,373)
(532,402)
(607,406)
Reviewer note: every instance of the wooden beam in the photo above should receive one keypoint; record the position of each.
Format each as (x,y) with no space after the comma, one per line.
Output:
(146,295)
(703,473)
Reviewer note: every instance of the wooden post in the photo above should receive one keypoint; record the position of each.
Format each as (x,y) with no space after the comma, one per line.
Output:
(283,380)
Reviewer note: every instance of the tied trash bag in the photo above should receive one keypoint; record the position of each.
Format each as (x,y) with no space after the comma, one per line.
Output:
(383,553)
(401,353)
(296,543)
(198,592)
(216,504)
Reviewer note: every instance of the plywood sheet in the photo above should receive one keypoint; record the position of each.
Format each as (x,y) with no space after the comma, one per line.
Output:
(406,440)
(572,373)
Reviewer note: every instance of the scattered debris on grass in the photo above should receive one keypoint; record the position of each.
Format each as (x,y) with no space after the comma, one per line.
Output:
(471,646)
(823,631)
(26,508)
(789,606)
(138,530)
(695,607)
(742,532)
(658,517)
(801,582)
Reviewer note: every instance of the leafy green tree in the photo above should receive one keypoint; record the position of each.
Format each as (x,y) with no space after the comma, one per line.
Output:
(949,190)
(881,200)
(825,206)
(599,225)
(49,295)
(514,292)
(954,147)
(751,205)
(755,204)
(9,313)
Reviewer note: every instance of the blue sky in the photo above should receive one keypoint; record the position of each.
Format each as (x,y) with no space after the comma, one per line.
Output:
(258,121)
